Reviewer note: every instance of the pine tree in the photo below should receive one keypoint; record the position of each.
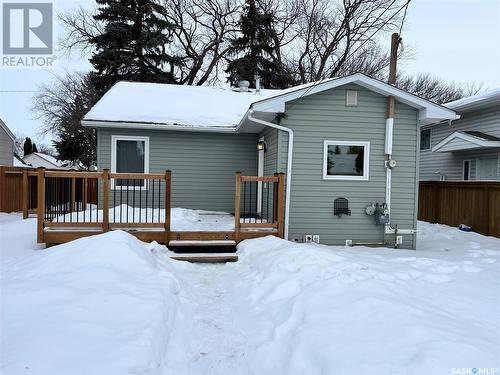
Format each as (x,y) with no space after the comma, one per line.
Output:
(34,149)
(27,146)
(257,50)
(133,44)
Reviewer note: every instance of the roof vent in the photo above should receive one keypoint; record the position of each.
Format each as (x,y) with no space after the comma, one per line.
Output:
(351,98)
(243,86)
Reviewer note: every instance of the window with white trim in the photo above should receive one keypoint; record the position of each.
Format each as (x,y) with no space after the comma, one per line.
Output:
(346,160)
(129,154)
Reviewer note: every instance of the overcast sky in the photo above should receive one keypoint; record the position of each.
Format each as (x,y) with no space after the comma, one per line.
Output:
(457,40)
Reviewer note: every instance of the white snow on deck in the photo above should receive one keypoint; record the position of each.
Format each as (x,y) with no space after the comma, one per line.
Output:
(110,304)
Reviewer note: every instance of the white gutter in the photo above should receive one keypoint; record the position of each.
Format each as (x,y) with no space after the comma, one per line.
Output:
(158,126)
(288,164)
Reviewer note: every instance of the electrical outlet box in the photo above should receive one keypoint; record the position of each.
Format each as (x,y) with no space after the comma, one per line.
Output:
(316,238)
(308,238)
(295,239)
(348,242)
(399,240)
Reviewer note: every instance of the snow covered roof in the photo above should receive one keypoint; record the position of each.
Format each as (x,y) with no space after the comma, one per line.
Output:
(180,107)
(475,101)
(4,126)
(176,105)
(18,162)
(38,159)
(467,140)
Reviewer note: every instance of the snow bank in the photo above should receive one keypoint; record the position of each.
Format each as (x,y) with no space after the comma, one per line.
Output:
(111,304)
(317,309)
(102,304)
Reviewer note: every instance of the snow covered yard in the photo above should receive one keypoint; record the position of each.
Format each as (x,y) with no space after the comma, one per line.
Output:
(111,304)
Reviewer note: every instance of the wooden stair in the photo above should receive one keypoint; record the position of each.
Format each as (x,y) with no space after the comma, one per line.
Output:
(204,251)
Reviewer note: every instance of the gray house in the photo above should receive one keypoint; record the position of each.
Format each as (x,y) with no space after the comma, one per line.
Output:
(7,145)
(465,149)
(351,173)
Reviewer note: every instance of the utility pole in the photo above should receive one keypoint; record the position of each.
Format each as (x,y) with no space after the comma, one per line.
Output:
(395,40)
(389,122)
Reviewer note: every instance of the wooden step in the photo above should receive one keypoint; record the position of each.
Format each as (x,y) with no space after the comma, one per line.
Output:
(202,243)
(206,258)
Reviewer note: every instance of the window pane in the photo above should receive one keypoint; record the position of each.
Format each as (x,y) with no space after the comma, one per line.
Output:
(345,160)
(425,139)
(130,159)
(466,170)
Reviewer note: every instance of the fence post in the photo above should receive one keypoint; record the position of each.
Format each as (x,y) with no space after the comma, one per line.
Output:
(168,203)
(2,188)
(25,192)
(237,206)
(105,200)
(40,209)
(281,205)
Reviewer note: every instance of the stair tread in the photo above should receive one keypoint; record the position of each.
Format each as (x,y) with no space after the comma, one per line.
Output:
(206,258)
(202,243)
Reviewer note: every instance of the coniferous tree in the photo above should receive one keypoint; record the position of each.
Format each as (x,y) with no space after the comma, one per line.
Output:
(133,44)
(34,149)
(27,146)
(256,50)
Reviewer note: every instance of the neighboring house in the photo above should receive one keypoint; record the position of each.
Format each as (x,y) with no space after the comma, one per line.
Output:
(7,145)
(328,137)
(38,159)
(465,149)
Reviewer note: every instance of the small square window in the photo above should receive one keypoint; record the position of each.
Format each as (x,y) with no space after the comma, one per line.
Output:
(351,98)
(344,160)
(425,139)
(129,155)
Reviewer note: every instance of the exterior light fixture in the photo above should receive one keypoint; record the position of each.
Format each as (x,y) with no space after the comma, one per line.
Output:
(262,146)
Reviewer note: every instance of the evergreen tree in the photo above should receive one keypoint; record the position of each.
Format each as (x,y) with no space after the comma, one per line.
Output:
(256,50)
(34,149)
(27,146)
(133,44)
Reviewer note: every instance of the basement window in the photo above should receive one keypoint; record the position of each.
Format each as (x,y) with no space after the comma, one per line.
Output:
(129,154)
(346,160)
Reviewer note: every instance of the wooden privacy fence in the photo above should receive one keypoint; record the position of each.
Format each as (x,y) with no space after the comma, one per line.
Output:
(18,190)
(141,204)
(474,203)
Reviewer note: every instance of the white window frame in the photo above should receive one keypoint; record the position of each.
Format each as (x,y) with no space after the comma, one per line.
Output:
(430,139)
(114,139)
(463,167)
(366,161)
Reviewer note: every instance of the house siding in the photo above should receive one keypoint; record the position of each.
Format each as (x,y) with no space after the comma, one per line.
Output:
(324,116)
(6,148)
(449,164)
(203,165)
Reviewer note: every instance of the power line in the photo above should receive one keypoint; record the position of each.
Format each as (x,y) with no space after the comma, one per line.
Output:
(361,45)
(17,91)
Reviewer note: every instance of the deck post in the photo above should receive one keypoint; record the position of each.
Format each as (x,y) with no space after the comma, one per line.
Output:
(73,194)
(168,204)
(105,199)
(275,198)
(25,192)
(237,206)
(40,207)
(281,204)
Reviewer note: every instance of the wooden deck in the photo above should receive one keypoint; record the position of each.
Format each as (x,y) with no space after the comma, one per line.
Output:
(64,216)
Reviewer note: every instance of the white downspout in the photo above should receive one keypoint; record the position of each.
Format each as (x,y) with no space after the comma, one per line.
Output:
(288,164)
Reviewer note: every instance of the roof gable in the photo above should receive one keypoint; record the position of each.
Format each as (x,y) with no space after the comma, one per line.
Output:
(463,141)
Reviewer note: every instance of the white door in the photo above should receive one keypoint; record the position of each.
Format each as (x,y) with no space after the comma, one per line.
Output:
(487,169)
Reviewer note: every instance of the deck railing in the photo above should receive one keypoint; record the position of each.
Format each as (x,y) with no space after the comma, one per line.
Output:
(141,204)
(122,201)
(260,203)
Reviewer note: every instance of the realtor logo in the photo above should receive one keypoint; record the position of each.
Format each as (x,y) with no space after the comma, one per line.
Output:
(27,28)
